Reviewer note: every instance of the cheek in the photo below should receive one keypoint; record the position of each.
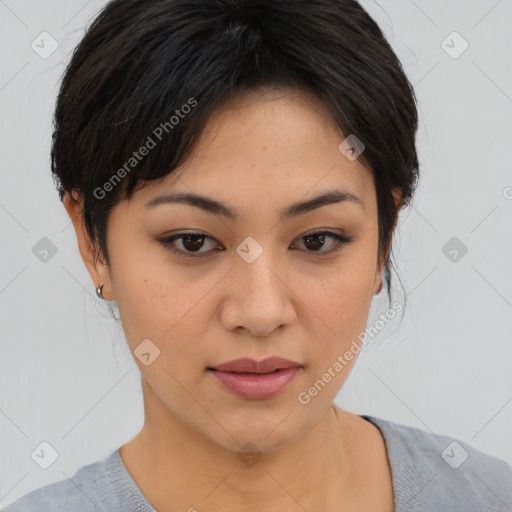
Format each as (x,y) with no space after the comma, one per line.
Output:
(163,302)
(341,294)
(143,293)
(336,306)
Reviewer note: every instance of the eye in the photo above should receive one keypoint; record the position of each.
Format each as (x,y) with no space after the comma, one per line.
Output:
(193,242)
(316,241)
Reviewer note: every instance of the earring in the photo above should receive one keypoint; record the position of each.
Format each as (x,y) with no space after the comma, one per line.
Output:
(99,292)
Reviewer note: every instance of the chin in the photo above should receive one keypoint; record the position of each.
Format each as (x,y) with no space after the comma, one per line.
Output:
(262,430)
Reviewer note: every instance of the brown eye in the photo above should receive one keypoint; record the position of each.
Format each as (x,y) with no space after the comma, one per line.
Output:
(191,243)
(316,241)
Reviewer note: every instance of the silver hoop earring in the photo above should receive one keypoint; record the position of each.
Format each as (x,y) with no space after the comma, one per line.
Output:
(99,292)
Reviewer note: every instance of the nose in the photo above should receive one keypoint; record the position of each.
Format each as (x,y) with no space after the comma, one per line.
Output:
(258,298)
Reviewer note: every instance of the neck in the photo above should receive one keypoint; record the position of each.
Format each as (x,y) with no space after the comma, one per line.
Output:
(174,463)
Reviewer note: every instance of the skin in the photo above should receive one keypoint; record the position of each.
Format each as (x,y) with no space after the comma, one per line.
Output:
(258,154)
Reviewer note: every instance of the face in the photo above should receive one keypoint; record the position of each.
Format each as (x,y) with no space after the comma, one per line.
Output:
(267,280)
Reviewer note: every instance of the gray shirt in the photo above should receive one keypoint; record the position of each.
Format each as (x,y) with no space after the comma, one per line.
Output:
(430,472)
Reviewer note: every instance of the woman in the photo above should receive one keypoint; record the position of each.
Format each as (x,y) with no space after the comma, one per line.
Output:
(234,171)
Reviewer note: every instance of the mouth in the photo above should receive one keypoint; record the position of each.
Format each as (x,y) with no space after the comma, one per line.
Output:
(253,380)
(247,365)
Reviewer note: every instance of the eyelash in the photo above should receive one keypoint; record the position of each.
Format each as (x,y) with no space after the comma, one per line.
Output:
(339,240)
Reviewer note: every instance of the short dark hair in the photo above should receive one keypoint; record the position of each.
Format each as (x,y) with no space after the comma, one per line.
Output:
(161,67)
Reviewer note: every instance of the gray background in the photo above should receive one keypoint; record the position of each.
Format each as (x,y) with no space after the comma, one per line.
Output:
(65,374)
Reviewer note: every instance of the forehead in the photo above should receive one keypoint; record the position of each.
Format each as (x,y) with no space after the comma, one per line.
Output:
(269,149)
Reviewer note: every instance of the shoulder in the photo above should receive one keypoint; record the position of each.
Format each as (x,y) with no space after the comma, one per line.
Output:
(83,492)
(438,472)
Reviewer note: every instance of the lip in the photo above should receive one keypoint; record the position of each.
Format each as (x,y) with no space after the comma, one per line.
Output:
(250,365)
(256,380)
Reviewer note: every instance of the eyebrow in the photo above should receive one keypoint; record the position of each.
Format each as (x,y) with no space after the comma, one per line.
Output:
(217,208)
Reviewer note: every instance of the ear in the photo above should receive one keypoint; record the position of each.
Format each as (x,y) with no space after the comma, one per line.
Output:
(377,283)
(98,270)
